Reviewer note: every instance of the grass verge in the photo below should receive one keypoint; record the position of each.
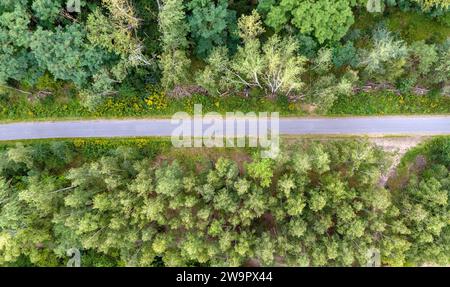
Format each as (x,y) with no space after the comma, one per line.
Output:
(135,106)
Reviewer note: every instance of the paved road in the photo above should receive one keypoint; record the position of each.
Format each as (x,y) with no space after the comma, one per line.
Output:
(404,125)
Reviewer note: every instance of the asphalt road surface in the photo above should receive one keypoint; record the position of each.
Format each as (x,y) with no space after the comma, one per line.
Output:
(390,125)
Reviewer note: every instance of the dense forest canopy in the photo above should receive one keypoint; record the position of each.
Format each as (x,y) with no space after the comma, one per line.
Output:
(307,51)
(139,203)
(317,204)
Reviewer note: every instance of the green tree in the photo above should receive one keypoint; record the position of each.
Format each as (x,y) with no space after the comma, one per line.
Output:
(323,91)
(441,68)
(428,4)
(274,68)
(261,170)
(345,55)
(386,60)
(211,25)
(325,19)
(31,192)
(117,33)
(15,61)
(318,204)
(46,10)
(420,219)
(421,59)
(69,58)
(174,30)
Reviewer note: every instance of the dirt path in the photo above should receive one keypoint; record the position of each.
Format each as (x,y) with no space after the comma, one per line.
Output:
(398,146)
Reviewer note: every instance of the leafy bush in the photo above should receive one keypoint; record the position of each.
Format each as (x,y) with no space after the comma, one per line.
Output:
(345,55)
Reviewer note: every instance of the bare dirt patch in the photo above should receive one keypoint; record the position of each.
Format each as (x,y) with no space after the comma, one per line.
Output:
(398,146)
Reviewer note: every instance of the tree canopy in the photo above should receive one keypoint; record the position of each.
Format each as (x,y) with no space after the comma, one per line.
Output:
(326,20)
(317,204)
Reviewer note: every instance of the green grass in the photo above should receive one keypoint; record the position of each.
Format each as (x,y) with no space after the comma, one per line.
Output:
(413,26)
(18,108)
(366,104)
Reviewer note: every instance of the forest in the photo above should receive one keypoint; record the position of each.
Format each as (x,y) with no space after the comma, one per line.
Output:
(139,202)
(117,58)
